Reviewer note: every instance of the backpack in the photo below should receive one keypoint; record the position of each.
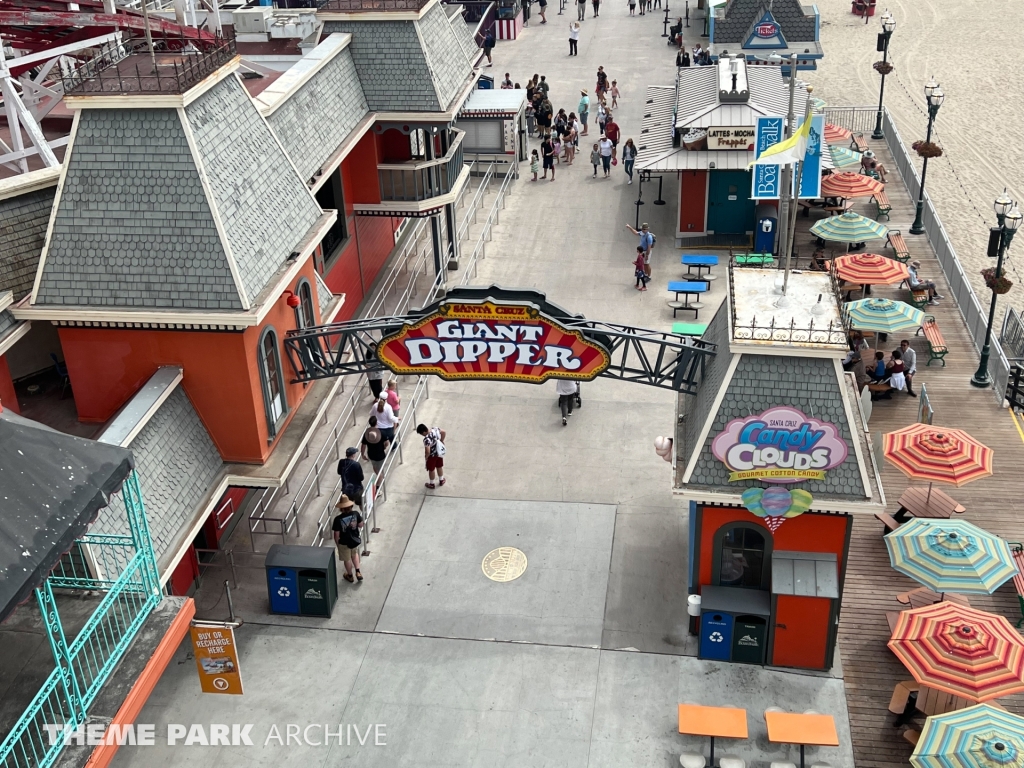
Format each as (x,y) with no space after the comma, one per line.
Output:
(439,448)
(653,239)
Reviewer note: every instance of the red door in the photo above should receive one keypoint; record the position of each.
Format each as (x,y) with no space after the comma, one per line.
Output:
(801,627)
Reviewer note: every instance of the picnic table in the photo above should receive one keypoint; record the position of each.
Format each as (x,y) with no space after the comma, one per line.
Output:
(802,729)
(930,701)
(917,502)
(700,262)
(689,329)
(687,288)
(721,722)
(922,596)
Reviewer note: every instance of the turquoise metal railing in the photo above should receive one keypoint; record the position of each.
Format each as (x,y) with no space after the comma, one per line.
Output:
(124,568)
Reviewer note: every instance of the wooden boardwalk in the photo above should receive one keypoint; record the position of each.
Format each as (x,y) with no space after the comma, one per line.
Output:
(870,669)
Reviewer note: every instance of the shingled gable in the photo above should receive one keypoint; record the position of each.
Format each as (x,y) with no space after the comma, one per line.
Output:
(741,15)
(408,65)
(173,209)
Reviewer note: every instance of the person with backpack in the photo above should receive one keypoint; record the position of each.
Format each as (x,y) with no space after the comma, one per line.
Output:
(373,446)
(489,45)
(647,241)
(347,540)
(351,474)
(433,452)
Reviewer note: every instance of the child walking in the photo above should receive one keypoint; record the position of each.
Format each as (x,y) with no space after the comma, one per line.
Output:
(638,270)
(535,164)
(595,159)
(615,95)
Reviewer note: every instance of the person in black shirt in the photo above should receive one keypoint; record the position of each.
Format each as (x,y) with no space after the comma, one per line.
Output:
(373,446)
(346,537)
(547,152)
(351,475)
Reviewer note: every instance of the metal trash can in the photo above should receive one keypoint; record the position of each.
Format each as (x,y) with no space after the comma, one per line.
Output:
(733,624)
(302,580)
(749,637)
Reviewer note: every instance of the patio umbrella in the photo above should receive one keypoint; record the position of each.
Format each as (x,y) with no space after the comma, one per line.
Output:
(870,269)
(836,134)
(951,556)
(843,157)
(818,104)
(937,454)
(850,185)
(883,315)
(977,737)
(849,228)
(960,650)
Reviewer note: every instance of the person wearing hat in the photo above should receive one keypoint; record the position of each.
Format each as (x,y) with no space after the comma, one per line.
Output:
(373,446)
(347,540)
(917,284)
(584,109)
(386,419)
(646,242)
(869,163)
(351,475)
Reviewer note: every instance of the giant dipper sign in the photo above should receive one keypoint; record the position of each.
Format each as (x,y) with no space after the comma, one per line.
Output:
(496,341)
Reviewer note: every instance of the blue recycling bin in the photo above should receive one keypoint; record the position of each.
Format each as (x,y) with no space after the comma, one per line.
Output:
(767,218)
(733,624)
(301,581)
(283,587)
(716,635)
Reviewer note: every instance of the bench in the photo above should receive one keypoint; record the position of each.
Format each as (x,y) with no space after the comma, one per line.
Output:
(689,329)
(759,259)
(806,206)
(882,205)
(890,522)
(920,298)
(1018,581)
(899,246)
(937,349)
(880,388)
(858,142)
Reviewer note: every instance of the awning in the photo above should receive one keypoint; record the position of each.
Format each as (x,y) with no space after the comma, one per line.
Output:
(51,487)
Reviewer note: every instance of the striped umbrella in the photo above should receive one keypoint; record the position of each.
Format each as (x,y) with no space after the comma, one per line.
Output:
(870,269)
(883,315)
(849,185)
(981,736)
(937,454)
(843,157)
(960,650)
(951,556)
(836,134)
(849,228)
(818,104)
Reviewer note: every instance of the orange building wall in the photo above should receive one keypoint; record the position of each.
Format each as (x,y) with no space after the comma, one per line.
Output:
(107,366)
(693,189)
(8,397)
(810,532)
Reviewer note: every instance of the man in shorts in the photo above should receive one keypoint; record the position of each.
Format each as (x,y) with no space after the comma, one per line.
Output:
(433,452)
(346,537)
(374,446)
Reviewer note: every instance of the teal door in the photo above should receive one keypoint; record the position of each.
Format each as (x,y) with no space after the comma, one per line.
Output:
(730,209)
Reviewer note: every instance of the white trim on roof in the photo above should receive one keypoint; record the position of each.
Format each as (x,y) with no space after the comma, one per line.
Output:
(143,405)
(301,72)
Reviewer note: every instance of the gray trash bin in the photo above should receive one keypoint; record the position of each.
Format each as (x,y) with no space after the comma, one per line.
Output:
(308,575)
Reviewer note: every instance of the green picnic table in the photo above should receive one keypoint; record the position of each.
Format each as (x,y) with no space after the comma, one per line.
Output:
(764,259)
(689,329)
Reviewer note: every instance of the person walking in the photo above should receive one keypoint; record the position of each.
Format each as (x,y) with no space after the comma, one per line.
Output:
(373,447)
(489,44)
(433,451)
(577,129)
(632,7)
(569,143)
(646,243)
(574,38)
(376,381)
(606,147)
(615,94)
(566,390)
(597,8)
(611,132)
(547,151)
(602,82)
(628,158)
(543,5)
(639,271)
(351,474)
(602,113)
(595,158)
(581,9)
(393,399)
(584,109)
(345,529)
(386,419)
(544,85)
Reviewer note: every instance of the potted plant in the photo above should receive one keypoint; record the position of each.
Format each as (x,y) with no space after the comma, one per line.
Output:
(926,149)
(998,285)
(883,67)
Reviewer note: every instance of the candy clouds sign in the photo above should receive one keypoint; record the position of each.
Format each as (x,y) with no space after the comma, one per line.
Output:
(501,342)
(780,445)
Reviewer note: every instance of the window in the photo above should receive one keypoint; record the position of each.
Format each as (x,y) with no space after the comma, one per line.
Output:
(274,401)
(305,313)
(483,135)
(331,196)
(742,556)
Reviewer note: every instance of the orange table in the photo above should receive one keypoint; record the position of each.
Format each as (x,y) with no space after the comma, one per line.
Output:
(725,722)
(793,728)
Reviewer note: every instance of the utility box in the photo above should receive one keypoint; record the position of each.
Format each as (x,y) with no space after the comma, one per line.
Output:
(805,609)
(767,223)
(733,624)
(302,580)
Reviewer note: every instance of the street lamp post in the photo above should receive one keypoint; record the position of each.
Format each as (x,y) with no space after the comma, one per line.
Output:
(888,27)
(935,97)
(1010,219)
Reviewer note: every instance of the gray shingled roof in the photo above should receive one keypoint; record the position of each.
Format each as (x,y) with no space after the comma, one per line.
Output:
(133,227)
(698,407)
(408,66)
(264,206)
(317,118)
(740,15)
(763,381)
(7,322)
(177,464)
(23,221)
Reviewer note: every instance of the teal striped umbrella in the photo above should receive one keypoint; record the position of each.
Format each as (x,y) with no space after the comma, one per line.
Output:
(883,315)
(818,104)
(849,228)
(977,737)
(951,556)
(843,157)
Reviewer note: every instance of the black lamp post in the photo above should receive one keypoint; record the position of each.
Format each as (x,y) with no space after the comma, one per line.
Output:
(1010,219)
(888,27)
(935,97)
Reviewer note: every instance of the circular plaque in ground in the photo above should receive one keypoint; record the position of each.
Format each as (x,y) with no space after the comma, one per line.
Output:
(504,564)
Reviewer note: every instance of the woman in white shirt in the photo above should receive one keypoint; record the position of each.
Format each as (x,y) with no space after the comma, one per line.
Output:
(386,420)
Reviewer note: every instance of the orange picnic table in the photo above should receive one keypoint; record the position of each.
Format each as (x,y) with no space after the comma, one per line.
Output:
(802,729)
(723,722)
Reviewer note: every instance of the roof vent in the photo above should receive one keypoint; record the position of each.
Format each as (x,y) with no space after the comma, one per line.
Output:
(732,80)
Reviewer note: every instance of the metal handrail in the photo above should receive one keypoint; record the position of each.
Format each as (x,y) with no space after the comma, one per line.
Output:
(473,207)
(479,252)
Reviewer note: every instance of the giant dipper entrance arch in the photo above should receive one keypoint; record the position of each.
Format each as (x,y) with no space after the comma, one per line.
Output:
(499,334)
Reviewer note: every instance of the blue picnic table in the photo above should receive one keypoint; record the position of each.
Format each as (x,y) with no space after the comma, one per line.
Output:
(687,288)
(700,261)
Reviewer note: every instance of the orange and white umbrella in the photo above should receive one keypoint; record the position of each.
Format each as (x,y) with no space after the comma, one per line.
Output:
(850,185)
(870,269)
(937,454)
(836,134)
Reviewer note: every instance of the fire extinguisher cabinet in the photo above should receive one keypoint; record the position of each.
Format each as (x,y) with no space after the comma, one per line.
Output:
(805,609)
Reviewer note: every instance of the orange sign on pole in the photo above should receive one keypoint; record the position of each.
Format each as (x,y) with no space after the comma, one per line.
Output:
(216,659)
